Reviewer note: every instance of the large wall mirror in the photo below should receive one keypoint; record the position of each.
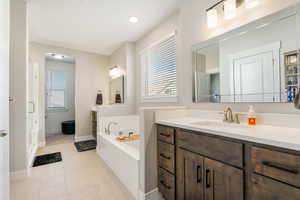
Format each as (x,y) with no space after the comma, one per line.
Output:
(258,62)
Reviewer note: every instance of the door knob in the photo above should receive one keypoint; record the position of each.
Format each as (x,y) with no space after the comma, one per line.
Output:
(3,133)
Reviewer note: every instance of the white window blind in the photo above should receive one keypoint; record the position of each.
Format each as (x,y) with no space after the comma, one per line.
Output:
(159,69)
(56,89)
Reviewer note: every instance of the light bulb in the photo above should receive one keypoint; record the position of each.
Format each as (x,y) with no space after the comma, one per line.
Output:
(229,9)
(252,3)
(212,18)
(115,72)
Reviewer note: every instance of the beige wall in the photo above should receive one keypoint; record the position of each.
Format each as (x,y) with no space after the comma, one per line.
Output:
(18,85)
(91,75)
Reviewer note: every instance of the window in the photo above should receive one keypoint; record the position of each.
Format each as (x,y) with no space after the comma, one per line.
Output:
(56,89)
(159,70)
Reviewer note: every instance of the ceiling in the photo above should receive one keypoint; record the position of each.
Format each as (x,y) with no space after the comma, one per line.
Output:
(99,26)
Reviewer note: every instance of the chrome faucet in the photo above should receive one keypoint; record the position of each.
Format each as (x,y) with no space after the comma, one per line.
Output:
(107,130)
(228,116)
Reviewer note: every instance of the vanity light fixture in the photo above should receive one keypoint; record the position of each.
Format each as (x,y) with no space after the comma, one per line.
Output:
(252,3)
(229,9)
(115,72)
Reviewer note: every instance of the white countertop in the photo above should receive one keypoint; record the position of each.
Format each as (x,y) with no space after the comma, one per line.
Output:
(288,138)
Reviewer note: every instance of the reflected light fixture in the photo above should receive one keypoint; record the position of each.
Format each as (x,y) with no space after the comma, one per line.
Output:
(229,9)
(252,3)
(115,72)
(133,20)
(212,18)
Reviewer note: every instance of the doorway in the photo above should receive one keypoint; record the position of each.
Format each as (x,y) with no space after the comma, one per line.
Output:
(60,99)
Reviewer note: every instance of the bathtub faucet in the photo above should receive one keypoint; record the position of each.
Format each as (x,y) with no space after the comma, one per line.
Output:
(130,134)
(107,130)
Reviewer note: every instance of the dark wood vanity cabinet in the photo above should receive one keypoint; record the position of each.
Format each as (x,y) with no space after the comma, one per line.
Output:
(200,166)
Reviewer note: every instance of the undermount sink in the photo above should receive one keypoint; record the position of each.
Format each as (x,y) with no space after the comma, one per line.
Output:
(220,124)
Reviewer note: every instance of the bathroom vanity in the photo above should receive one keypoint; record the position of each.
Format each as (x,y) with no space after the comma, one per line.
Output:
(197,162)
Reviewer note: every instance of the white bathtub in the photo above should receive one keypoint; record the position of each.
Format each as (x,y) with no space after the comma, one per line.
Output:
(122,157)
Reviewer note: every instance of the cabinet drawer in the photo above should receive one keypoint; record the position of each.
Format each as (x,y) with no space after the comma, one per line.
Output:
(166,184)
(165,134)
(166,154)
(267,189)
(277,165)
(219,149)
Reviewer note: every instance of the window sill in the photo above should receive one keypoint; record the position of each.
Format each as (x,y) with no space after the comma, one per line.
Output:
(159,99)
(57,110)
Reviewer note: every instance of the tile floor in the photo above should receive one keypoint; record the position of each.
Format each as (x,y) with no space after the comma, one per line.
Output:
(80,176)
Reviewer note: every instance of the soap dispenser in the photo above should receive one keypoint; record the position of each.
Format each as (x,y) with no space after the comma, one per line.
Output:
(251,116)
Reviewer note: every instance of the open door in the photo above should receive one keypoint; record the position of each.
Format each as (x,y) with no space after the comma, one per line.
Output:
(4,99)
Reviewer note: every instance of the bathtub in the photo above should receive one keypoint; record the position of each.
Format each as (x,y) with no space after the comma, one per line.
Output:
(122,157)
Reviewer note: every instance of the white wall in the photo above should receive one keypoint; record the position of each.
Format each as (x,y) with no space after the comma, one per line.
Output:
(91,75)
(55,117)
(18,85)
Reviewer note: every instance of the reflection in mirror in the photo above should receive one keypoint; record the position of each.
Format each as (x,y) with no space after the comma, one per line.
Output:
(116,90)
(258,62)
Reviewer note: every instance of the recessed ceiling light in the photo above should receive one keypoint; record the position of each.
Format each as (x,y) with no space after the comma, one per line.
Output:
(133,20)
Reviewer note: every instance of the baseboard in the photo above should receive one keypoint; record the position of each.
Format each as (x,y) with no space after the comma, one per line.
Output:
(84,138)
(31,156)
(152,195)
(19,175)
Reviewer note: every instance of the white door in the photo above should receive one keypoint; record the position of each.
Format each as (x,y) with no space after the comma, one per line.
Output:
(253,78)
(256,76)
(4,104)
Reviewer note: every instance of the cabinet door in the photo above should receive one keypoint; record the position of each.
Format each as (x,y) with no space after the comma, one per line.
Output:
(269,189)
(222,182)
(189,176)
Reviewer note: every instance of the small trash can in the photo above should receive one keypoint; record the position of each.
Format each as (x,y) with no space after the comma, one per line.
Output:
(68,127)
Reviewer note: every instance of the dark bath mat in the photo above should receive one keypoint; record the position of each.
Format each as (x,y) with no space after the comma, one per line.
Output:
(86,145)
(47,159)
